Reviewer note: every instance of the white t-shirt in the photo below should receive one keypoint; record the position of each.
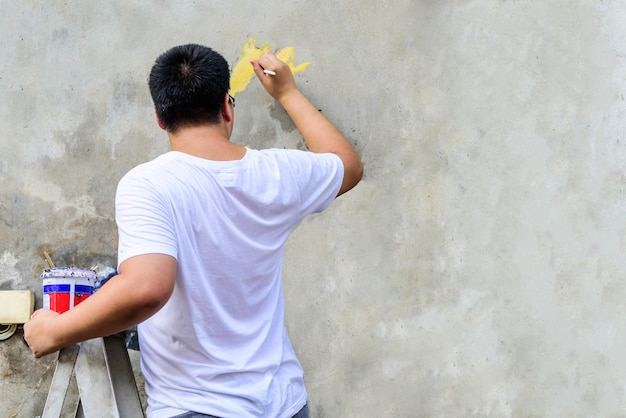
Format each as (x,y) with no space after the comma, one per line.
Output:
(219,345)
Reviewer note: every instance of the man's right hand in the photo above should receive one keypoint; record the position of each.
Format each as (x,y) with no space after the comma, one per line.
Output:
(279,86)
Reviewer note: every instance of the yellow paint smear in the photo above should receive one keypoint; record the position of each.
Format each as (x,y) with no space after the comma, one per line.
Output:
(286,55)
(243,71)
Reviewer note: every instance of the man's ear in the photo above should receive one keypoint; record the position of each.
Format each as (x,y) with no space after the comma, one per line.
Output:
(161,125)
(227,110)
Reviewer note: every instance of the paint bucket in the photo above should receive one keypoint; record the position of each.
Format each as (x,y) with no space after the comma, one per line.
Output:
(66,287)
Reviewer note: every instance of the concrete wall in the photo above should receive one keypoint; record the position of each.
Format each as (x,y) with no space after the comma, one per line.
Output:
(478,268)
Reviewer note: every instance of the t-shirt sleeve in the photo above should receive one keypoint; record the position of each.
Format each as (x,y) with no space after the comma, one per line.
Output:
(319,177)
(143,219)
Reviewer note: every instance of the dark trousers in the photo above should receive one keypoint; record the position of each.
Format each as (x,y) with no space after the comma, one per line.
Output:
(303,413)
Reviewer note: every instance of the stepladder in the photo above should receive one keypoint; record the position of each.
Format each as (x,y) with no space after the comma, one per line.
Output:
(105,379)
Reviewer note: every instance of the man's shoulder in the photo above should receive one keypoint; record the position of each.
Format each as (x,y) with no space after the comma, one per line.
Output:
(148,166)
(296,154)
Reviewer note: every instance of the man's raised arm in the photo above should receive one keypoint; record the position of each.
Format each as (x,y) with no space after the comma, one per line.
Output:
(319,134)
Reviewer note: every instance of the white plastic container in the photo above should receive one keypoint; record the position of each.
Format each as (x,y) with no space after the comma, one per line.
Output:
(66,287)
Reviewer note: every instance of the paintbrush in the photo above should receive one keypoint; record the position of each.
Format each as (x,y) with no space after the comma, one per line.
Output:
(48,259)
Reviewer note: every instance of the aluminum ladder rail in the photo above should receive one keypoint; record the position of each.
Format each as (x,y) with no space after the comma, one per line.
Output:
(105,380)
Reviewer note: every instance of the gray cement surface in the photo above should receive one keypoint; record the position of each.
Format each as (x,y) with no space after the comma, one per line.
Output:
(477,270)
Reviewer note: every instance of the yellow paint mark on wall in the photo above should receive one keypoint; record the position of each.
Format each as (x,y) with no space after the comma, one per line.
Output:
(287,55)
(243,72)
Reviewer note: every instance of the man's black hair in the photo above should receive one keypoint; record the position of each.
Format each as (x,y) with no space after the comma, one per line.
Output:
(188,84)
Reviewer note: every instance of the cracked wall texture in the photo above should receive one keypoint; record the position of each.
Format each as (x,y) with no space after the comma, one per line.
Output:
(478,269)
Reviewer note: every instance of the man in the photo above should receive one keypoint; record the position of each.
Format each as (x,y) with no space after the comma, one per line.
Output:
(202,230)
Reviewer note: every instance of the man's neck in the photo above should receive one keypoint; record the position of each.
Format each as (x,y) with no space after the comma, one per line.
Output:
(211,142)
